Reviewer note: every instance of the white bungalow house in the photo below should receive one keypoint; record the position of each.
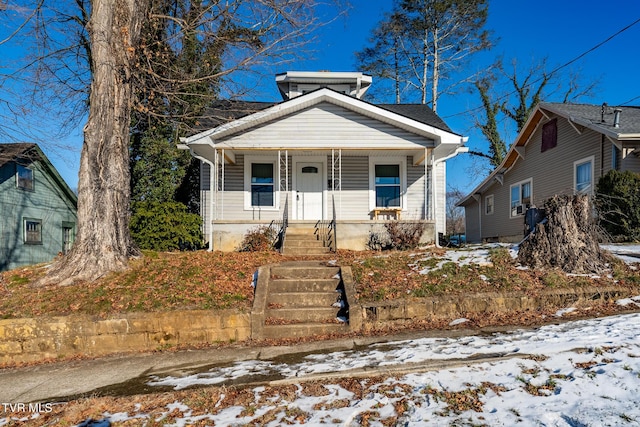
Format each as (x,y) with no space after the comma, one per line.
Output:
(322,156)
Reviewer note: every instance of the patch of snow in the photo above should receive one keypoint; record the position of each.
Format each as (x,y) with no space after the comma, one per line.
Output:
(589,370)
(627,301)
(458,322)
(564,311)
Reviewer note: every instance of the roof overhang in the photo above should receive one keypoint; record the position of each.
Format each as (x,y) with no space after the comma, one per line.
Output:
(205,143)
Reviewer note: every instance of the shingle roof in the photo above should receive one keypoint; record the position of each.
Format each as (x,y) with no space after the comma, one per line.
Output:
(599,116)
(223,112)
(417,112)
(10,152)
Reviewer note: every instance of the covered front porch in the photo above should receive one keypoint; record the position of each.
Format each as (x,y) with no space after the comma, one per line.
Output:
(345,194)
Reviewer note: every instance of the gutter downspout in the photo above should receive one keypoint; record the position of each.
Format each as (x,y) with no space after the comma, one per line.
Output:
(434,162)
(211,172)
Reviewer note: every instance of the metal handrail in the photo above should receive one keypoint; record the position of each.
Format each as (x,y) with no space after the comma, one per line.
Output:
(281,227)
(326,230)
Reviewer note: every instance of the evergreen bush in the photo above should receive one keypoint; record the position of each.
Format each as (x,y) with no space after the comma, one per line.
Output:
(618,204)
(165,226)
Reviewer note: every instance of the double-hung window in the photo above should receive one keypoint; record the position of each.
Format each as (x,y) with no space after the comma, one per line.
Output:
(24,178)
(387,186)
(262,185)
(583,175)
(32,231)
(488,205)
(520,198)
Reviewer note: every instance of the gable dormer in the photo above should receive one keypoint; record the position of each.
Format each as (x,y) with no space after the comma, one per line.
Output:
(296,83)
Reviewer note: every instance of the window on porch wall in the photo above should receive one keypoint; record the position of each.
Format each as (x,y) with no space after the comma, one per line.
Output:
(262,184)
(387,183)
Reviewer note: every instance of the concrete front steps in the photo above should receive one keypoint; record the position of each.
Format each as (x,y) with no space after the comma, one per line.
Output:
(304,239)
(300,299)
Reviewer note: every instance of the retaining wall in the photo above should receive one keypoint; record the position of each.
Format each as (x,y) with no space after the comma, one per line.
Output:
(34,339)
(452,307)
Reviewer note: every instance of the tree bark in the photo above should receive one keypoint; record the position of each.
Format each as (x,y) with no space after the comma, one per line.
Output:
(103,243)
(568,240)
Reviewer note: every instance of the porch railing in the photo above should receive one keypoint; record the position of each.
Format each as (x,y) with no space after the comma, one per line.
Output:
(279,227)
(326,230)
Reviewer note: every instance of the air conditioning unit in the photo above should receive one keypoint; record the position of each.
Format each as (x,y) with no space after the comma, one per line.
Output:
(518,210)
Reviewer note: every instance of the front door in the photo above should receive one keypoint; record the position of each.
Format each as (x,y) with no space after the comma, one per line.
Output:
(309,190)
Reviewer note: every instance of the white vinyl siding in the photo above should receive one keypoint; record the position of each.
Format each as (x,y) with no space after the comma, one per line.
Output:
(348,130)
(352,201)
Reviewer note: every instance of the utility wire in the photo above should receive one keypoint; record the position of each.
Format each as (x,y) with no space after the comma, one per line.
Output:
(555,70)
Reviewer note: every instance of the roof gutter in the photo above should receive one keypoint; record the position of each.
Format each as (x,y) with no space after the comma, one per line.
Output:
(434,162)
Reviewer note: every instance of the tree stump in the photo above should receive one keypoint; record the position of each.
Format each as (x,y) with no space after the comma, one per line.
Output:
(568,240)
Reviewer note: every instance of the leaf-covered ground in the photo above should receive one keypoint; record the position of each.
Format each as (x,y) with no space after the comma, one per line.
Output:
(217,280)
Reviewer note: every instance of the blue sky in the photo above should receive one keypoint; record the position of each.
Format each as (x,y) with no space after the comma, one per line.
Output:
(559,30)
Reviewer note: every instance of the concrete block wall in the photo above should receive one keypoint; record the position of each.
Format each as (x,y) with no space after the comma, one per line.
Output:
(36,339)
(383,313)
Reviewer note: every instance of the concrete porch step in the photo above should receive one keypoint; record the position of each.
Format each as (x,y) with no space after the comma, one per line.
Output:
(304,330)
(305,251)
(302,243)
(303,315)
(308,285)
(301,299)
(304,272)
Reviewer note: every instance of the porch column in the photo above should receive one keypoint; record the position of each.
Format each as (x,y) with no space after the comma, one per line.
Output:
(214,190)
(222,184)
(336,160)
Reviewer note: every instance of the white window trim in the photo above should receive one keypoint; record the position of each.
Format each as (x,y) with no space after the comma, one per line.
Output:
(493,205)
(400,160)
(519,184)
(590,159)
(248,160)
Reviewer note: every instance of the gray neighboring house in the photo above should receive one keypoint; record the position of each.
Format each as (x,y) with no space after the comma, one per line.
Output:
(562,149)
(37,208)
(322,156)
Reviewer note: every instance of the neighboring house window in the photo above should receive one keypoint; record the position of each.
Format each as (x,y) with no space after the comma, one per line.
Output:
(488,205)
(24,178)
(549,135)
(67,236)
(387,183)
(614,157)
(583,175)
(32,231)
(520,198)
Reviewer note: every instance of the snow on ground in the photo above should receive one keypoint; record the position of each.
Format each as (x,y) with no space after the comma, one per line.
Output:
(578,373)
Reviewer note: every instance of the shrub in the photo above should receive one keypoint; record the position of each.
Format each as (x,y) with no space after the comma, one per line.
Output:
(618,204)
(258,239)
(165,226)
(398,235)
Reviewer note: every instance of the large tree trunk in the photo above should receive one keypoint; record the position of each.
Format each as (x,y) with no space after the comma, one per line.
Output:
(568,240)
(103,243)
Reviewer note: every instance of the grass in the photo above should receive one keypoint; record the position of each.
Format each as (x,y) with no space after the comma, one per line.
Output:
(216,280)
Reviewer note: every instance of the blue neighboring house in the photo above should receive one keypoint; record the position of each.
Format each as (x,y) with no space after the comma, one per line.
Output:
(38,210)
